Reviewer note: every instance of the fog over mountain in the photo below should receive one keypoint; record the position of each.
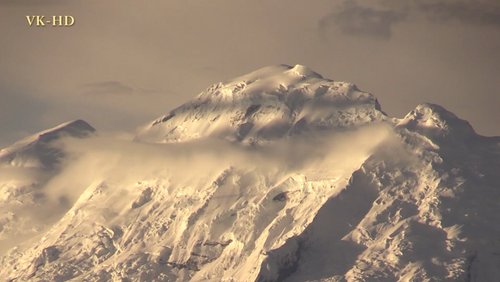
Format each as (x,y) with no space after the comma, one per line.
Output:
(276,175)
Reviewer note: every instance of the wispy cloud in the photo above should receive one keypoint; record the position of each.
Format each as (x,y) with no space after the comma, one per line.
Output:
(107,88)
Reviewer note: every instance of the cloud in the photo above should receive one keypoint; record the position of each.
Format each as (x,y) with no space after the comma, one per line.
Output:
(107,88)
(105,161)
(467,12)
(377,19)
(352,18)
(107,158)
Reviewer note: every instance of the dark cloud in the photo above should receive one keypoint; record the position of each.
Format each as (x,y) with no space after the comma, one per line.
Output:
(467,12)
(377,19)
(355,19)
(107,88)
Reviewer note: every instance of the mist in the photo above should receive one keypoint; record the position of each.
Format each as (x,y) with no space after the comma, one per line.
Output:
(121,165)
(117,160)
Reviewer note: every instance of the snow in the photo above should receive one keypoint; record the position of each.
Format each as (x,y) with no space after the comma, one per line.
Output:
(25,169)
(277,175)
(35,150)
(433,119)
(267,104)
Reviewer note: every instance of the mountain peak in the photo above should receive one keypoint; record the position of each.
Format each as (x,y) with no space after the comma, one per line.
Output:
(266,104)
(36,150)
(432,119)
(277,72)
(304,71)
(74,128)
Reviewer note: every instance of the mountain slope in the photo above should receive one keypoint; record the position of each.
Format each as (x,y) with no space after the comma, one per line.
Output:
(330,189)
(426,210)
(25,169)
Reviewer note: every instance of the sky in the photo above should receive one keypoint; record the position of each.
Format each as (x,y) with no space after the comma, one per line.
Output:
(124,63)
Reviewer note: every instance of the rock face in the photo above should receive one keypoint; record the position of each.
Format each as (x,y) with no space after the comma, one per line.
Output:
(277,175)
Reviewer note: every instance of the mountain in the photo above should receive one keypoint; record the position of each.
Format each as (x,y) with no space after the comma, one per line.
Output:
(39,150)
(277,175)
(267,104)
(25,169)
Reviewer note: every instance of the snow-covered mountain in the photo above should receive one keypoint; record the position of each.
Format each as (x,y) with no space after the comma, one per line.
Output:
(38,151)
(277,175)
(266,104)
(25,169)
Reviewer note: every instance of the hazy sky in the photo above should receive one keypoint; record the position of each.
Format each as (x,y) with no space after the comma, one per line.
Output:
(124,63)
